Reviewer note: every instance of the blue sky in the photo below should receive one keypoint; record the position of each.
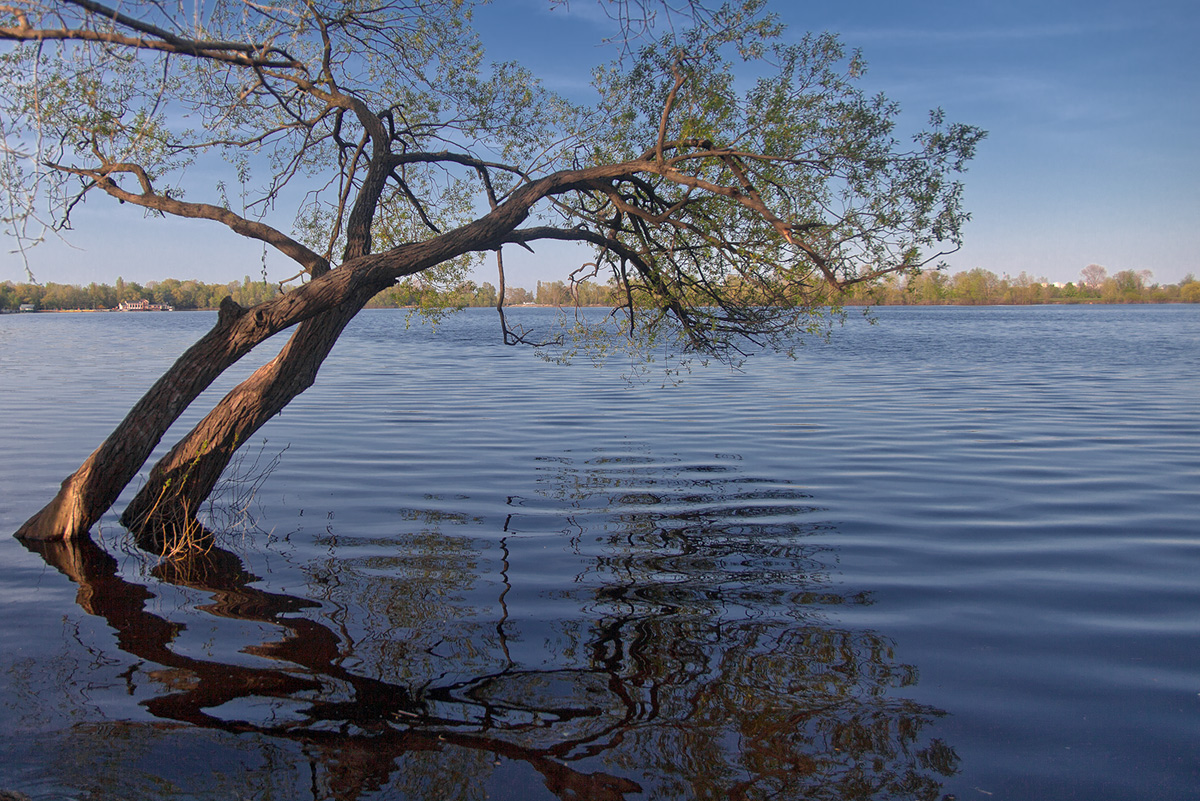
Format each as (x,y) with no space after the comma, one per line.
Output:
(1092,110)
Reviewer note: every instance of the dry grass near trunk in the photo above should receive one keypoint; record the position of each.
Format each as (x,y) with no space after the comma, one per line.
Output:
(174,531)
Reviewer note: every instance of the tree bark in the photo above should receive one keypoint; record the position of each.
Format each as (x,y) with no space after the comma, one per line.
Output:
(163,513)
(91,490)
(173,494)
(94,487)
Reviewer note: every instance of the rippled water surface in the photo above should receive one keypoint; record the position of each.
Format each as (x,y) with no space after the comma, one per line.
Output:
(954,554)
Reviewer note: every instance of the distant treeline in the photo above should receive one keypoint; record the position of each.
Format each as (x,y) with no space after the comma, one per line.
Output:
(170,292)
(190,295)
(976,287)
(981,287)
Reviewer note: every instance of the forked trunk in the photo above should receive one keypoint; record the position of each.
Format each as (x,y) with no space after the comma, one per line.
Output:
(322,308)
(88,492)
(163,514)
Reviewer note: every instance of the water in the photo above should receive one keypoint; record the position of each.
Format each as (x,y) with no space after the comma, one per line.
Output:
(951,555)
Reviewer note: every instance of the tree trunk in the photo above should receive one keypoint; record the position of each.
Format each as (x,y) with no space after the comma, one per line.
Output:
(174,492)
(163,513)
(91,490)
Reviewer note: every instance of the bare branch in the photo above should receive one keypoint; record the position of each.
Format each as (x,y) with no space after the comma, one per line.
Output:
(148,198)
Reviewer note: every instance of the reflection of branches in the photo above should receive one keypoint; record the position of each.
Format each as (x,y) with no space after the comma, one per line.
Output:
(691,652)
(393,718)
(701,601)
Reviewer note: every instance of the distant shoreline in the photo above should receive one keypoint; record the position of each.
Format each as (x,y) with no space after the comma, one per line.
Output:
(977,287)
(849,305)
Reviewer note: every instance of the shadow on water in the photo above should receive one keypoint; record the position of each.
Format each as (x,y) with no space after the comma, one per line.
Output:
(634,629)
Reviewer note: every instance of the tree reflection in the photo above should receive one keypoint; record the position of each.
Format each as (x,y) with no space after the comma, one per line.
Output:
(639,629)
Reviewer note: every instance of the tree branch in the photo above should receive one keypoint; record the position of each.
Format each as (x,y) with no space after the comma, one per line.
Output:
(239,53)
(148,198)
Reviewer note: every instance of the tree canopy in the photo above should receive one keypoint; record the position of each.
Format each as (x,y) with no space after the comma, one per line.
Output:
(732,179)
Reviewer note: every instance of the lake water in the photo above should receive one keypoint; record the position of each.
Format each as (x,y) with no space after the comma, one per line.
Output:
(955,554)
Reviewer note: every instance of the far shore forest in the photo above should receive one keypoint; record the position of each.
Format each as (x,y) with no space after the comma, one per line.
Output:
(976,287)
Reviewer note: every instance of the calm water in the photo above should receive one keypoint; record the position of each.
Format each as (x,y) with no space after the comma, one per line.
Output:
(955,554)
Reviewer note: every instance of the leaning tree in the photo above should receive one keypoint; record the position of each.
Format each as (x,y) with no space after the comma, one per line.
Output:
(732,180)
